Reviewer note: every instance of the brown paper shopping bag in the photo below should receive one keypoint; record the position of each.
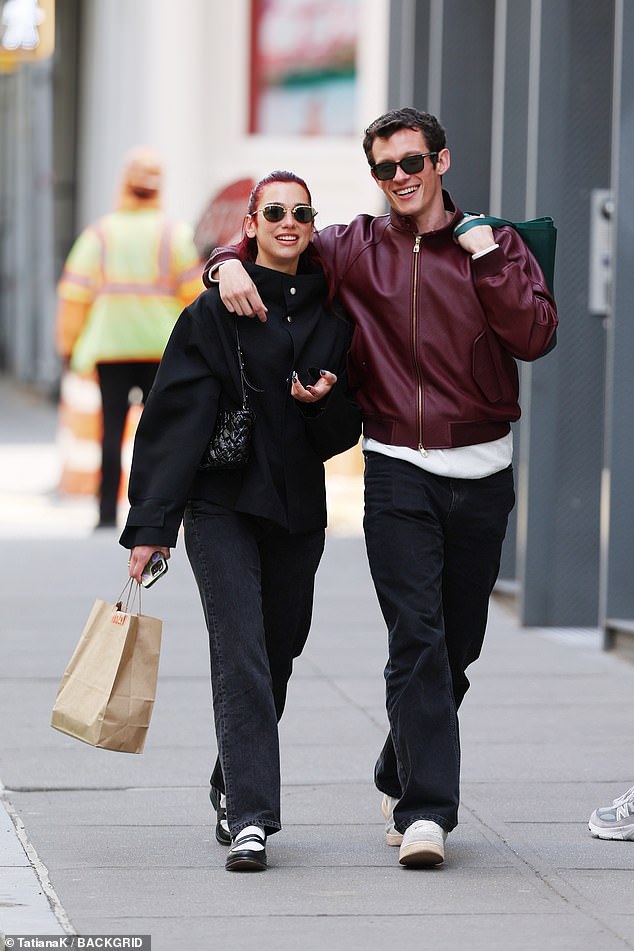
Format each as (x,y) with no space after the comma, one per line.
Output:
(107,692)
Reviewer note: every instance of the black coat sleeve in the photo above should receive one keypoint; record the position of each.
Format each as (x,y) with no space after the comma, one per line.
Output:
(335,426)
(173,432)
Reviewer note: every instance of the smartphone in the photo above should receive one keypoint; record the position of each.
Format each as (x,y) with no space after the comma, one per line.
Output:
(154,569)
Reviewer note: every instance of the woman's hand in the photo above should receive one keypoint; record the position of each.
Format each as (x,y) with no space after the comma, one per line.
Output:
(313,392)
(139,557)
(238,292)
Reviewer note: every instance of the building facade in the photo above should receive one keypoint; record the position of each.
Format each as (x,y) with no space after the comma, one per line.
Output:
(536,97)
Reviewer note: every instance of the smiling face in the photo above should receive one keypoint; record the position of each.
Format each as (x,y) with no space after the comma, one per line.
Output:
(418,195)
(280,243)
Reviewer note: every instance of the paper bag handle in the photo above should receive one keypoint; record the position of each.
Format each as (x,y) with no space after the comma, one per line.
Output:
(126,599)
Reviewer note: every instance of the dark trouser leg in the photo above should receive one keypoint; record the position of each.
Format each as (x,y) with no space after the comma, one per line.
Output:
(256,584)
(115,382)
(473,543)
(288,567)
(289,564)
(433,547)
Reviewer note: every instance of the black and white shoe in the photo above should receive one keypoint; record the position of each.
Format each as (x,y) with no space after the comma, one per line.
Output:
(219,802)
(248,851)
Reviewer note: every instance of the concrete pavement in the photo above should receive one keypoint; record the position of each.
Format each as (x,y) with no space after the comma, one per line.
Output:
(106,843)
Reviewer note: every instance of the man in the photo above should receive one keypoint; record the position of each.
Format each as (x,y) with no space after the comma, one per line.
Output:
(127,278)
(437,324)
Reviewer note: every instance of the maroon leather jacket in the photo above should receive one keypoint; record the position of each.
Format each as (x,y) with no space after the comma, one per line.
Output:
(435,333)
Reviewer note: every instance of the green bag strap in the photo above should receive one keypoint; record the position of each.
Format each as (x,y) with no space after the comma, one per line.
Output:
(534,224)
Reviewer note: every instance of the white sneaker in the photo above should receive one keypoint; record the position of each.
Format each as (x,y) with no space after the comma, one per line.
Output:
(423,844)
(615,821)
(392,835)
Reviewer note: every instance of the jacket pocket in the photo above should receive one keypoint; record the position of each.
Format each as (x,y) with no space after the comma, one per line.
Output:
(484,369)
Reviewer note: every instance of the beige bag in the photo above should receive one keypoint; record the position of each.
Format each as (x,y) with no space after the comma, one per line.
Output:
(107,692)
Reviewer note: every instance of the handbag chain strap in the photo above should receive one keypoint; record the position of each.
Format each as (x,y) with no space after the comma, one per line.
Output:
(245,403)
(244,380)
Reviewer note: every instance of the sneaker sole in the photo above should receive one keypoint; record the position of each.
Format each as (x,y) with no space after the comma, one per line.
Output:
(421,855)
(624,834)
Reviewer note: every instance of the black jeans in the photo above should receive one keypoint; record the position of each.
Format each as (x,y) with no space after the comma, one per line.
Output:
(434,551)
(115,382)
(256,584)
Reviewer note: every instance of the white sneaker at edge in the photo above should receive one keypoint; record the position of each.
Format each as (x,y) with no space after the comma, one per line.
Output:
(392,835)
(423,844)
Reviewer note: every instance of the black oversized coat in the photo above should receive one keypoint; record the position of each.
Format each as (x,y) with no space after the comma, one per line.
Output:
(284,478)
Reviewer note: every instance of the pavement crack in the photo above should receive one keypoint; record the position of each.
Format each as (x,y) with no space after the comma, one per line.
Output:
(40,870)
(549,879)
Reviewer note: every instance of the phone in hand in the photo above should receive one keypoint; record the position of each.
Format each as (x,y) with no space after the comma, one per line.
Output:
(154,569)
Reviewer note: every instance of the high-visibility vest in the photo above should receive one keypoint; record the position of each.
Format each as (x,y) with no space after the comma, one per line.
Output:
(129,275)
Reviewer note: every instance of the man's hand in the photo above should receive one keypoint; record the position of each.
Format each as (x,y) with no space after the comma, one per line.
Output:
(476,239)
(316,392)
(238,292)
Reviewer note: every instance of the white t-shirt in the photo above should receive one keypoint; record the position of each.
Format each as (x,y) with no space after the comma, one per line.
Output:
(463,462)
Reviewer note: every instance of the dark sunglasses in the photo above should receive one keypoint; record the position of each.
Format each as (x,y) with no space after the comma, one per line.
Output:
(275,212)
(411,164)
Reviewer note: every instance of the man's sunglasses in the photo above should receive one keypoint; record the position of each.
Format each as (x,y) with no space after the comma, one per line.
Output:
(411,164)
(275,212)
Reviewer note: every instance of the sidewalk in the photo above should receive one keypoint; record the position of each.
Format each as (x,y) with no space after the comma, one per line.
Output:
(95,842)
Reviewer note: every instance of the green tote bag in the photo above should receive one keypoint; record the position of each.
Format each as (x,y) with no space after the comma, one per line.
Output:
(539,234)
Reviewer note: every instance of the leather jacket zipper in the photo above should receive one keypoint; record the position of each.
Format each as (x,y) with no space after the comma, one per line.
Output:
(419,381)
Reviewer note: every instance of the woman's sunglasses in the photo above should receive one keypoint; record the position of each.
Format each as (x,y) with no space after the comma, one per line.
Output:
(275,212)
(411,164)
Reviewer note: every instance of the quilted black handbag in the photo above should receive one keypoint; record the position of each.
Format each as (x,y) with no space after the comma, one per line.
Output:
(230,443)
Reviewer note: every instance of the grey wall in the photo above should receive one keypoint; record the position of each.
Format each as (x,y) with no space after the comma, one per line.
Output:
(524,89)
(617,594)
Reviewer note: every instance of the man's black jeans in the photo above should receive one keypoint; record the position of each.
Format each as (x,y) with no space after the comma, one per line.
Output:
(256,584)
(434,551)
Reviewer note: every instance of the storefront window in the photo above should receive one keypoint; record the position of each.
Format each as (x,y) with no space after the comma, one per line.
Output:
(304,67)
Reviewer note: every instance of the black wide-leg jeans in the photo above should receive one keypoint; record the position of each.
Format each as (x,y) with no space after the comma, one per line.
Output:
(256,583)
(434,547)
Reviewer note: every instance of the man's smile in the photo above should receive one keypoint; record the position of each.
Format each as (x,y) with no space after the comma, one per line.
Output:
(406,191)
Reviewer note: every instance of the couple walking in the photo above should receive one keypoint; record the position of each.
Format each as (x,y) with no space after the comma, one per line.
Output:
(391,320)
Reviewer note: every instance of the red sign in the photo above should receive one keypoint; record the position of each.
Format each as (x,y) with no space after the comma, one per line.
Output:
(221,221)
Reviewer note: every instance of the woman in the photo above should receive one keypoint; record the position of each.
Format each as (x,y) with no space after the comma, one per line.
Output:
(254,536)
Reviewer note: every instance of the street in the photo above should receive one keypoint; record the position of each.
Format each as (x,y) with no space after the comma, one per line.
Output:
(95,842)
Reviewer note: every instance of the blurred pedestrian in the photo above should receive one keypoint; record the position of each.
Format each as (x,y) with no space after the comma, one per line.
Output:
(437,323)
(125,281)
(615,821)
(254,535)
